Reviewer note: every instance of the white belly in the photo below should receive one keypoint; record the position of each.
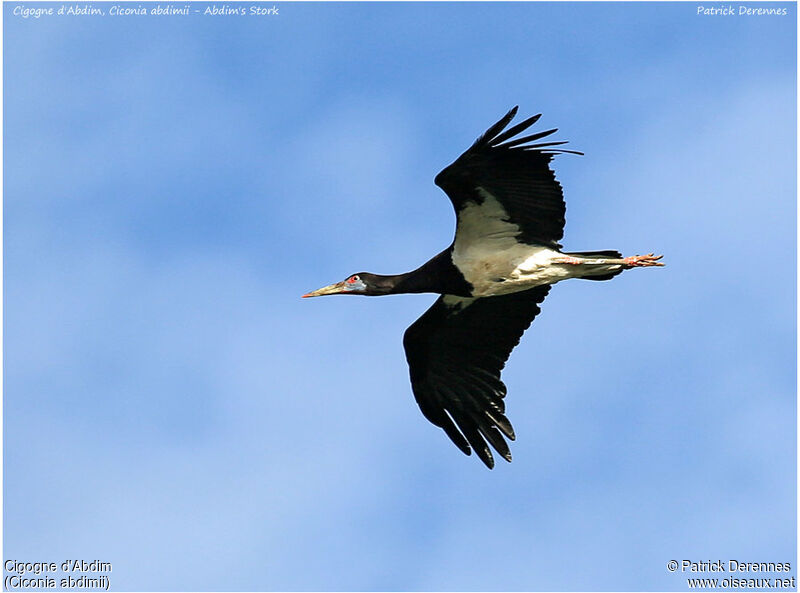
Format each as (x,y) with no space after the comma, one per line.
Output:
(518,267)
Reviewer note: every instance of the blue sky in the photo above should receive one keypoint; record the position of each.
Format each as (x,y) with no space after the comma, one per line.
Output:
(174,184)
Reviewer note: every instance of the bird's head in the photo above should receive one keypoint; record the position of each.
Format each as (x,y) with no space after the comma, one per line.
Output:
(361,283)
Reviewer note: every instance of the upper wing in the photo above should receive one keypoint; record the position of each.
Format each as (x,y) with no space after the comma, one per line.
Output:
(514,172)
(455,353)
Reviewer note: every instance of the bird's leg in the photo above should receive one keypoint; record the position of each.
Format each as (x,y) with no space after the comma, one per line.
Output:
(633,261)
(643,261)
(568,259)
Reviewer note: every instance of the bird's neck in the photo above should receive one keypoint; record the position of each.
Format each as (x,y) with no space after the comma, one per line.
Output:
(410,282)
(381,284)
(438,275)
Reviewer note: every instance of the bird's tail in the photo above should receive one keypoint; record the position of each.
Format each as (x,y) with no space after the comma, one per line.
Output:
(607,254)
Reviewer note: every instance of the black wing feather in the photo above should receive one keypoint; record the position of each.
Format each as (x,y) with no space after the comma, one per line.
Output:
(513,131)
(455,356)
(492,132)
(530,138)
(517,174)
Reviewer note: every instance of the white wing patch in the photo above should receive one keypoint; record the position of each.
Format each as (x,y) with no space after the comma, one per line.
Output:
(484,244)
(489,256)
(486,249)
(484,223)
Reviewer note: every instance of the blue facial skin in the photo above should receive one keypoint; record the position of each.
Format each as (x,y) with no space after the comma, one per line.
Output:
(354,284)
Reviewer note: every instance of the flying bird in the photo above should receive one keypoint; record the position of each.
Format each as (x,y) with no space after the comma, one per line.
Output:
(500,266)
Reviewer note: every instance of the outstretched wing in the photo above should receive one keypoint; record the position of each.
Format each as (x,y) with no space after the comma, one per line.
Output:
(514,172)
(455,353)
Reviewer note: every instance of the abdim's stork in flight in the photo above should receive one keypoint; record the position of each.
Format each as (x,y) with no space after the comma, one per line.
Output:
(492,279)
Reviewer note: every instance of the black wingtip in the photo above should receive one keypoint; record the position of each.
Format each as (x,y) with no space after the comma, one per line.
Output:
(475,439)
(498,127)
(502,423)
(514,130)
(458,439)
(487,459)
(496,138)
(531,138)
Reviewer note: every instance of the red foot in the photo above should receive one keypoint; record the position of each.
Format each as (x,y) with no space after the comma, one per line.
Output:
(643,261)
